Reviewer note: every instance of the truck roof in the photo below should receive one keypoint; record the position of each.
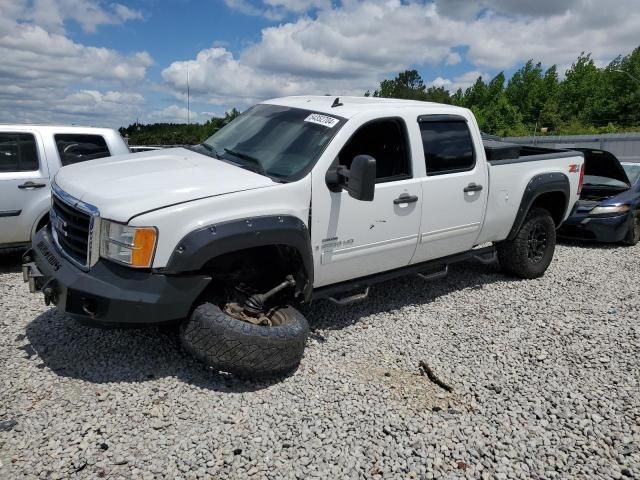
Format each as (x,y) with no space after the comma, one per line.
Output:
(352,106)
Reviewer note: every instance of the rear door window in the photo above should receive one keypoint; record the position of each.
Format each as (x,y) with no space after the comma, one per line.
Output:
(448,147)
(18,152)
(76,148)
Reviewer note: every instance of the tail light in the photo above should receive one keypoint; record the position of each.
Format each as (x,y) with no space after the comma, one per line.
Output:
(581,181)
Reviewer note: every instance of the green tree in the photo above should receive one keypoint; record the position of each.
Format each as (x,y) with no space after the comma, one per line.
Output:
(407,85)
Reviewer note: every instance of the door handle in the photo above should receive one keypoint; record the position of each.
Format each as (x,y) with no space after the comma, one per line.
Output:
(472,187)
(405,198)
(31,185)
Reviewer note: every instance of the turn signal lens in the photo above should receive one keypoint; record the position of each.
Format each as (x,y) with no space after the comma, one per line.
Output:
(144,245)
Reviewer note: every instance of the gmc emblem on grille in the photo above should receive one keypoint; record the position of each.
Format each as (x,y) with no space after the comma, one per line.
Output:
(59,224)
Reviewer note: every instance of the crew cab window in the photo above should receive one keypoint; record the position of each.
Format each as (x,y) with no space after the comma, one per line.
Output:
(448,147)
(18,152)
(386,141)
(76,148)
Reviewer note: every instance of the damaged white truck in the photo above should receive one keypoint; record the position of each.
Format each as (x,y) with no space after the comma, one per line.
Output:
(299,198)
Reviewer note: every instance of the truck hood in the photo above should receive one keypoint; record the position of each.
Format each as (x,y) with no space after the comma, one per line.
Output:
(125,186)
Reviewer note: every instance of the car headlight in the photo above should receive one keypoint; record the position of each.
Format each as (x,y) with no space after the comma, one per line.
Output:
(133,246)
(610,210)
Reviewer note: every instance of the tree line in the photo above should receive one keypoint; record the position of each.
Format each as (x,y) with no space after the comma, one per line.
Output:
(175,133)
(587,100)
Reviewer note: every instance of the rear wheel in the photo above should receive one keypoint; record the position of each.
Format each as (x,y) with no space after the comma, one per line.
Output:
(245,349)
(634,232)
(529,254)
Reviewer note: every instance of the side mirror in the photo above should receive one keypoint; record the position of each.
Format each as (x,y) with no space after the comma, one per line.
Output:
(359,180)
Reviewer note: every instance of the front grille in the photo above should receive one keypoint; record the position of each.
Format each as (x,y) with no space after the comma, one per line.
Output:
(72,230)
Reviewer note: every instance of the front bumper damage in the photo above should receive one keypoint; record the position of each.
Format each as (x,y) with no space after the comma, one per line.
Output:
(108,294)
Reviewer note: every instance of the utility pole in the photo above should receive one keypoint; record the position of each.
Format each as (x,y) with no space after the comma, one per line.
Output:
(188,98)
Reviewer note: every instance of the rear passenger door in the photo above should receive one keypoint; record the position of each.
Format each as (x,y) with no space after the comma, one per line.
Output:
(24,184)
(455,189)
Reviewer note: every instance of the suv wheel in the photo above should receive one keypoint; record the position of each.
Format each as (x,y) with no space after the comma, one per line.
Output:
(242,348)
(529,254)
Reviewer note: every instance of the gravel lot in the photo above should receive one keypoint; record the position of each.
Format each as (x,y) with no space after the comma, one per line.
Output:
(545,377)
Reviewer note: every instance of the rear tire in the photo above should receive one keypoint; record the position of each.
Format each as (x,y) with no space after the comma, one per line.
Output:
(529,254)
(241,348)
(634,232)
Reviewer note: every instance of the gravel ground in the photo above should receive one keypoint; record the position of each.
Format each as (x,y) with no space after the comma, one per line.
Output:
(545,377)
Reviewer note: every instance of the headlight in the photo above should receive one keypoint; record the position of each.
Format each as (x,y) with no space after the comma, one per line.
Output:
(132,246)
(612,210)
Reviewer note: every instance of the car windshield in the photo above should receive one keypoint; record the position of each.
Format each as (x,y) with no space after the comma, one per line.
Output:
(277,141)
(633,171)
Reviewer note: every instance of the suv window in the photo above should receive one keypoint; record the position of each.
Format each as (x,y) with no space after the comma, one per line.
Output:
(18,152)
(386,141)
(448,147)
(76,148)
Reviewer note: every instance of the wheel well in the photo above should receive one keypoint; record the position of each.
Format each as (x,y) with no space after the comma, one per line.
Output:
(42,222)
(554,202)
(259,268)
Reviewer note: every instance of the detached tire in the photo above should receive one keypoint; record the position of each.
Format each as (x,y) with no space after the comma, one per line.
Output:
(244,349)
(529,254)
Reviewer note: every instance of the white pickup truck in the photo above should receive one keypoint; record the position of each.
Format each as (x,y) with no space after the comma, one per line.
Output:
(299,198)
(31,155)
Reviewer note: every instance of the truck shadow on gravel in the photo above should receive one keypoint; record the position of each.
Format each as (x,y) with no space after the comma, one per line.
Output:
(397,294)
(131,355)
(11,262)
(72,350)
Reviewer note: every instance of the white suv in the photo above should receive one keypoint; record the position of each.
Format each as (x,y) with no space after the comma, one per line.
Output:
(31,155)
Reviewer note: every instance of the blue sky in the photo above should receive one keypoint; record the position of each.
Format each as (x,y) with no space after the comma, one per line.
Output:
(105,63)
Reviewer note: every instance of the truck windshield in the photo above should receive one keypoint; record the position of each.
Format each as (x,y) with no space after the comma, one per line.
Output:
(277,141)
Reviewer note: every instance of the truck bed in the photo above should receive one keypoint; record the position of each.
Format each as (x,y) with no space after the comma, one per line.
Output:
(508,182)
(503,153)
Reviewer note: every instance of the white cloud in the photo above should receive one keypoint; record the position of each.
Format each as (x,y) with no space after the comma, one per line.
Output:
(352,45)
(467,79)
(441,82)
(45,76)
(276,9)
(453,58)
(177,114)
(219,78)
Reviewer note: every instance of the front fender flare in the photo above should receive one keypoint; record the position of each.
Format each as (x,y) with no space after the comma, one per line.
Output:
(206,243)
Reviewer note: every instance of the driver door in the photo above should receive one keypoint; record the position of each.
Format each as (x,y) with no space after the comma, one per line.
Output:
(353,238)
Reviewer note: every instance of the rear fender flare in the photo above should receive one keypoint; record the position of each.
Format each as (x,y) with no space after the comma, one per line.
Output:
(539,185)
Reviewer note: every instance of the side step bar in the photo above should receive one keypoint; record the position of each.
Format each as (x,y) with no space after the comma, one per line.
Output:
(357,297)
(434,275)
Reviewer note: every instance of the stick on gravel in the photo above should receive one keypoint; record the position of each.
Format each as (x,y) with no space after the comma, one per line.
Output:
(433,377)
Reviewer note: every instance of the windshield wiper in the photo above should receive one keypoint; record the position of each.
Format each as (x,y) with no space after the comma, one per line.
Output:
(210,148)
(246,156)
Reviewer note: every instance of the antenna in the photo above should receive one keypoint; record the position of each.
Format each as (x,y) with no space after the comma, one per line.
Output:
(336,103)
(188,98)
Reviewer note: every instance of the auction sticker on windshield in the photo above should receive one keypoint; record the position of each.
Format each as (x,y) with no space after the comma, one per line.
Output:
(324,120)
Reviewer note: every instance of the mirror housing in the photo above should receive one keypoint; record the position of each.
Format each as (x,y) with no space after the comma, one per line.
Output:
(359,180)
(361,183)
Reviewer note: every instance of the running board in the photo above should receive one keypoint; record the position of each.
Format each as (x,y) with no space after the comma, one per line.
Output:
(486,258)
(358,297)
(434,275)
